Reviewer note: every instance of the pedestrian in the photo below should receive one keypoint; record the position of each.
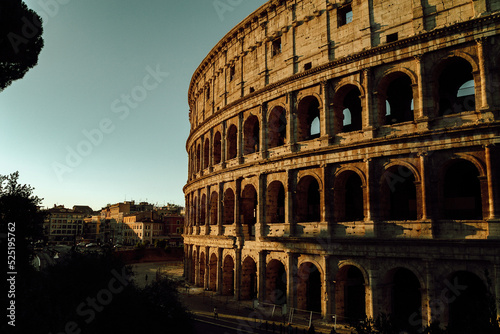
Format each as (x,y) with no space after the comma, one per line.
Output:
(311,330)
(290,328)
(333,331)
(216,314)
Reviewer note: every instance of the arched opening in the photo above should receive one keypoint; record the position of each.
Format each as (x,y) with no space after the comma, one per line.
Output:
(348,197)
(248,287)
(308,200)
(232,142)
(399,99)
(212,267)
(217,148)
(228,276)
(398,200)
(406,299)
(347,109)
(350,294)
(201,281)
(468,304)
(275,206)
(276,283)
(251,135)
(309,287)
(198,158)
(214,208)
(193,267)
(308,119)
(462,191)
(228,207)
(206,154)
(248,211)
(277,127)
(203,209)
(456,87)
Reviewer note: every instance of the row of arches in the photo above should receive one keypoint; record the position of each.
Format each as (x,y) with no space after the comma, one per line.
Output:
(460,194)
(462,301)
(394,98)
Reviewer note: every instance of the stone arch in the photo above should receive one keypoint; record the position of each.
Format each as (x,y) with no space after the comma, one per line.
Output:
(347,108)
(203,209)
(248,288)
(201,280)
(308,199)
(194,262)
(461,189)
(349,195)
(214,208)
(228,207)
(275,203)
(251,135)
(351,296)
(212,271)
(206,153)
(402,294)
(248,210)
(308,118)
(228,276)
(276,126)
(398,200)
(309,284)
(217,150)
(276,282)
(450,74)
(468,304)
(232,142)
(396,96)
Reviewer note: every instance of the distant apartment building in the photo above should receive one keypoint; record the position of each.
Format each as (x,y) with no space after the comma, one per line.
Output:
(151,226)
(64,225)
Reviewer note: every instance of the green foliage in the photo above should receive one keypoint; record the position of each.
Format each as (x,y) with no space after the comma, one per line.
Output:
(20,40)
(19,206)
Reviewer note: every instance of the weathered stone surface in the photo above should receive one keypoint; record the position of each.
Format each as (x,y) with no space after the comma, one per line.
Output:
(349,166)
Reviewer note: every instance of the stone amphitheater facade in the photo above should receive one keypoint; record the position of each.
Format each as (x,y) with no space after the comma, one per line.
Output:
(344,159)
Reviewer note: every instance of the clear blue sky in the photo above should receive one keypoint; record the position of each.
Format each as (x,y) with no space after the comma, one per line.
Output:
(103,117)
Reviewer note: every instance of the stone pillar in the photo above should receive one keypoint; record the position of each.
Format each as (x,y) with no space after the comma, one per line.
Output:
(367,122)
(237,203)
(373,307)
(211,150)
(289,206)
(197,267)
(324,113)
(220,263)
(237,274)
(290,121)
(370,215)
(263,132)
(220,210)
(418,108)
(261,204)
(429,295)
(207,212)
(494,206)
(223,144)
(496,282)
(291,290)
(206,279)
(423,186)
(482,74)
(239,145)
(261,280)
(329,288)
(418,16)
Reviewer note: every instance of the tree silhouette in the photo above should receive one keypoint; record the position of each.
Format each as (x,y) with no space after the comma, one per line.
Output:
(20,40)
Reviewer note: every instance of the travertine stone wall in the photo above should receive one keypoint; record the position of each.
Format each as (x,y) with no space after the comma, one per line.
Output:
(349,146)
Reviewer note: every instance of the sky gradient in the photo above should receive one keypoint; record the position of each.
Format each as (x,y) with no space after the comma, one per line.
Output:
(103,117)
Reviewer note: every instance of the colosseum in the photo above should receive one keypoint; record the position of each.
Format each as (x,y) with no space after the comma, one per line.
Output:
(344,159)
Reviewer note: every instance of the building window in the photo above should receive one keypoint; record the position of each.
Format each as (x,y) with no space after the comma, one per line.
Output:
(276,47)
(232,72)
(392,37)
(345,15)
(307,66)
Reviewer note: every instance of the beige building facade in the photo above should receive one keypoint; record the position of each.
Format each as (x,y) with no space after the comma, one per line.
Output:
(344,159)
